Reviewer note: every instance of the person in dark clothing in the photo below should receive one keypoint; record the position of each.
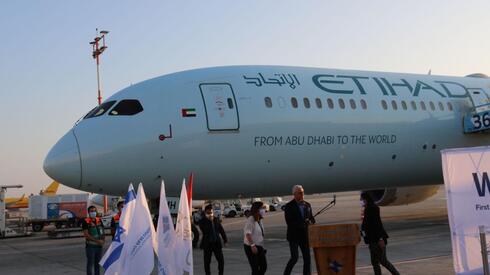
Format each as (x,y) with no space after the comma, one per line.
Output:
(375,235)
(298,216)
(211,242)
(116,218)
(93,230)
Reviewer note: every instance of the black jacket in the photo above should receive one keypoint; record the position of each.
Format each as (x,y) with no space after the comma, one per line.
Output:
(206,227)
(372,227)
(297,225)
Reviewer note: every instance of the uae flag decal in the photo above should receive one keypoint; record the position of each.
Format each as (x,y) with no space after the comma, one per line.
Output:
(189,112)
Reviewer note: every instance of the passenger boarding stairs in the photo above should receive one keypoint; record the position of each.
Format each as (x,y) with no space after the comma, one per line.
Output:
(478,119)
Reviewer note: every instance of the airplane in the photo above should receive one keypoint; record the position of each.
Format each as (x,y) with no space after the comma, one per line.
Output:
(23,202)
(251,131)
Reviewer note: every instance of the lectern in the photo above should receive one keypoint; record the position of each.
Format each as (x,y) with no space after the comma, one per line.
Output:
(335,248)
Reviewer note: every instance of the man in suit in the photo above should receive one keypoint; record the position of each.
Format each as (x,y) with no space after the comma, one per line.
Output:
(298,216)
(211,242)
(375,235)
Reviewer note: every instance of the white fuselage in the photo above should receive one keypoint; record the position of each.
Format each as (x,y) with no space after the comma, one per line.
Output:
(248,139)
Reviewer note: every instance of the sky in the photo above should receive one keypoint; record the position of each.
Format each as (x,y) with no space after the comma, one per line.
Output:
(48,76)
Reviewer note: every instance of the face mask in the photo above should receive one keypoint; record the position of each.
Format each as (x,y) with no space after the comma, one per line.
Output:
(262,212)
(362,203)
(210,216)
(92,214)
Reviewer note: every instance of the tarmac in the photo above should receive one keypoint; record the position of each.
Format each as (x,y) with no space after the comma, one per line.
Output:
(419,242)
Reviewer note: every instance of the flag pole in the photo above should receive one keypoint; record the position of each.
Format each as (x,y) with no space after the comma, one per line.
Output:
(189,190)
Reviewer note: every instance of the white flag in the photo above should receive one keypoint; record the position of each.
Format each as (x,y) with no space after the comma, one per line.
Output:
(139,253)
(114,256)
(165,238)
(183,247)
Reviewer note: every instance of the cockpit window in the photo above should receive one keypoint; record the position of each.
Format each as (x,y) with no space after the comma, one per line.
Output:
(126,107)
(100,110)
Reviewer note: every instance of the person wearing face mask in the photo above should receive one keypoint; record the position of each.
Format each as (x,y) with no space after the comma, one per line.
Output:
(211,242)
(115,219)
(253,241)
(298,216)
(375,235)
(93,230)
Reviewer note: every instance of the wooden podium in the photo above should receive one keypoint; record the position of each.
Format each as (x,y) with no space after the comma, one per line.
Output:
(335,248)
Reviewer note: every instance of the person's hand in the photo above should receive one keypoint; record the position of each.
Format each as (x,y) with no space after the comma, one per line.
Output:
(255,250)
(381,244)
(101,242)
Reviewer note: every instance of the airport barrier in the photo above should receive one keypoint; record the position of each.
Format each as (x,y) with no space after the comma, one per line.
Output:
(335,248)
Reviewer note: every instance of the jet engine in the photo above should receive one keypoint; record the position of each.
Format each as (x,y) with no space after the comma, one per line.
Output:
(403,195)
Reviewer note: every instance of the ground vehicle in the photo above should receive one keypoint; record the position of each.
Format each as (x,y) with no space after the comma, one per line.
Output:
(276,204)
(230,209)
(60,210)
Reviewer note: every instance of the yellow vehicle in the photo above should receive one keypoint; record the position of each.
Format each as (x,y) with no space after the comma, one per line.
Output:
(23,202)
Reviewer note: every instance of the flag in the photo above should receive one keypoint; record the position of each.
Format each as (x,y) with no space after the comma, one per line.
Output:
(165,247)
(139,252)
(189,112)
(114,256)
(183,246)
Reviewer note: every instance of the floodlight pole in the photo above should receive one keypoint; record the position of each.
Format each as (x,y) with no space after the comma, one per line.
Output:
(96,52)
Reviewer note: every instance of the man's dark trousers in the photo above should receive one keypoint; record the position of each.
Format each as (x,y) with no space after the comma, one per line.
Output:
(305,251)
(218,253)
(94,254)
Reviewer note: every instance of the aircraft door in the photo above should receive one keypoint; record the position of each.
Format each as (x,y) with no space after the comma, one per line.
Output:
(480,99)
(220,105)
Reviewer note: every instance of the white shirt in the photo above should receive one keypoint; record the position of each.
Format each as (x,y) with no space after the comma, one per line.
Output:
(255,229)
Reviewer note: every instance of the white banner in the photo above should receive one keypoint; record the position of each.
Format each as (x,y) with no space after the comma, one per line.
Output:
(466,177)
(141,238)
(166,238)
(183,245)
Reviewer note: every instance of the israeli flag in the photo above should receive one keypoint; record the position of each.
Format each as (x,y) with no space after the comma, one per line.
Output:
(166,238)
(114,256)
(183,246)
(139,253)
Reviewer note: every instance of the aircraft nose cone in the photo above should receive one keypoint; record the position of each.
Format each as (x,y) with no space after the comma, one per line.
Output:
(63,161)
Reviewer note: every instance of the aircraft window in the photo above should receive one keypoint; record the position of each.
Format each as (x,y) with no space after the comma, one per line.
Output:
(422,105)
(363,104)
(330,103)
(441,107)
(352,104)
(450,106)
(100,110)
(306,101)
(268,102)
(414,105)
(341,103)
(318,103)
(393,104)
(126,107)
(294,102)
(230,103)
(432,106)
(404,105)
(384,105)
(281,101)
